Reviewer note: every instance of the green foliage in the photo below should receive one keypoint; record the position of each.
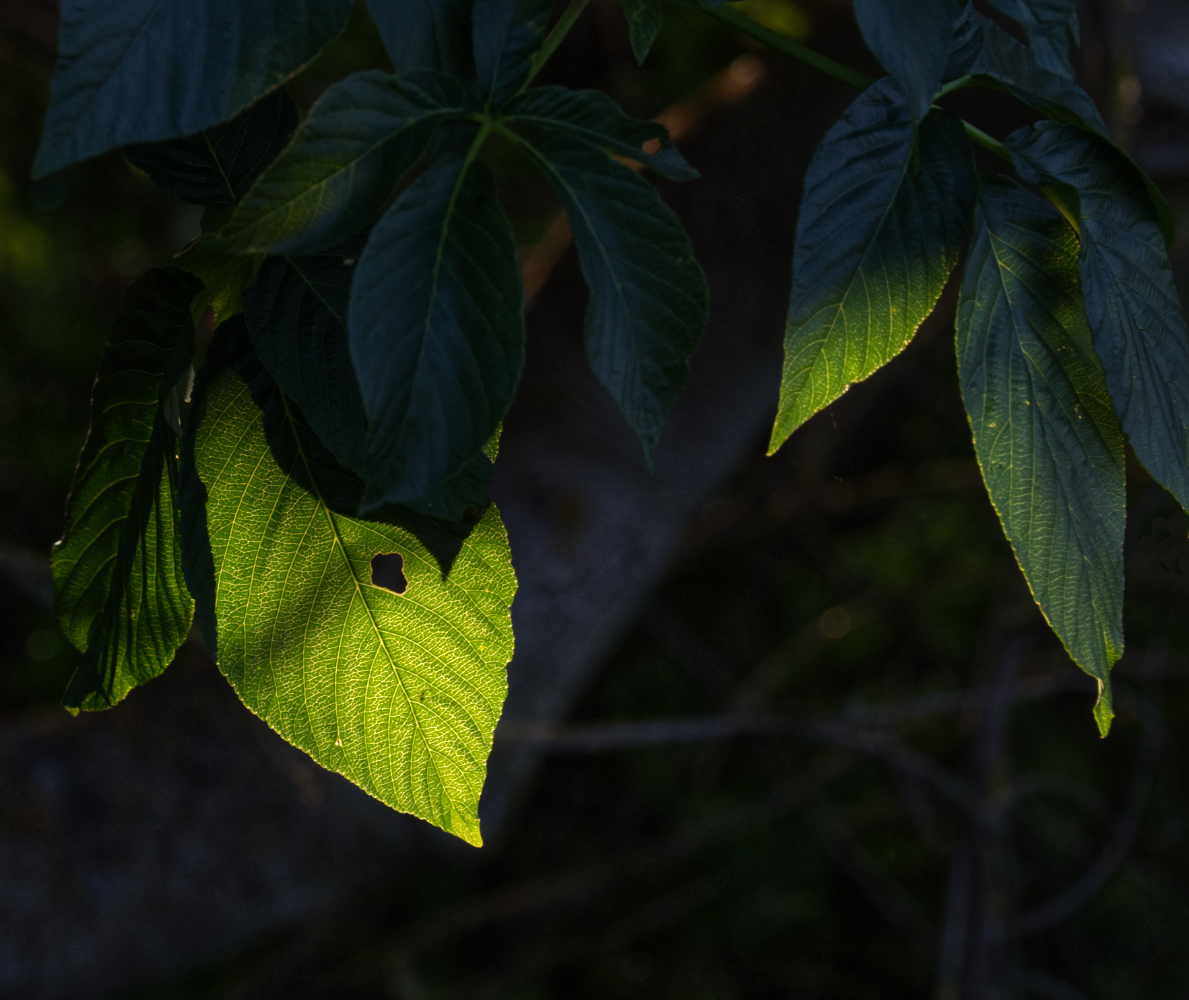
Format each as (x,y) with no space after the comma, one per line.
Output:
(1047,440)
(354,409)
(886,210)
(118,583)
(399,693)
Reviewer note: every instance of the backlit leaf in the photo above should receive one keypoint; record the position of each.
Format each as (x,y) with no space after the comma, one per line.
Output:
(883,218)
(216,166)
(1047,440)
(398,692)
(118,586)
(437,329)
(148,70)
(912,41)
(343,164)
(1131,301)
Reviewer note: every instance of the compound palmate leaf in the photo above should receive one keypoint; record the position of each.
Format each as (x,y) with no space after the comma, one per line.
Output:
(885,211)
(398,692)
(912,40)
(148,70)
(118,586)
(1131,301)
(344,162)
(1047,440)
(436,329)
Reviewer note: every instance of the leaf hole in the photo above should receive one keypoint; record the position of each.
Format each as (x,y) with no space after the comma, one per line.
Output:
(388,572)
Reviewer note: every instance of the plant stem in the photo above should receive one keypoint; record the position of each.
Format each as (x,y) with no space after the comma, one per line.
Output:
(564,23)
(782,43)
(987,142)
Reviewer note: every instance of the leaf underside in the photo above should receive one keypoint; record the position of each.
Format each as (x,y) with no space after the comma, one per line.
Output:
(118,586)
(882,221)
(399,693)
(1048,443)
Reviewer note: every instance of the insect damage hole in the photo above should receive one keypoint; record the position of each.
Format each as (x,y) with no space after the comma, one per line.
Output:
(387,572)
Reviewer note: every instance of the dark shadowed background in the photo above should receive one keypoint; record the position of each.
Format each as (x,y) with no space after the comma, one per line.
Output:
(778,727)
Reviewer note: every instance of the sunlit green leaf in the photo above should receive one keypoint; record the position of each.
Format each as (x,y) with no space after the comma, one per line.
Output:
(343,164)
(644,21)
(885,211)
(216,166)
(398,692)
(1047,440)
(147,70)
(437,329)
(1131,301)
(912,41)
(118,585)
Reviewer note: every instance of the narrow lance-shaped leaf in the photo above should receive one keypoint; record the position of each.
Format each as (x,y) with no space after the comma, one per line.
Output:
(425,34)
(216,166)
(1047,440)
(644,22)
(436,330)
(885,211)
(648,298)
(1131,301)
(506,36)
(148,70)
(912,40)
(343,164)
(398,692)
(118,586)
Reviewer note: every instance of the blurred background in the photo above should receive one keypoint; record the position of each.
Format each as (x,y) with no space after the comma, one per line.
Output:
(778,727)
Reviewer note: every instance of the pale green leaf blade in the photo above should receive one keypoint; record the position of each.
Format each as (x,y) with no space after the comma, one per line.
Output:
(912,41)
(118,586)
(1047,440)
(398,692)
(882,222)
(148,70)
(343,164)
(648,297)
(1131,300)
(436,330)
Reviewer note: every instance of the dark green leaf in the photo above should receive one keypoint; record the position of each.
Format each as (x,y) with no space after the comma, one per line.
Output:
(507,34)
(437,329)
(118,584)
(147,70)
(644,21)
(592,117)
(967,44)
(336,176)
(648,297)
(912,41)
(883,218)
(1048,442)
(399,693)
(1131,301)
(217,166)
(1048,25)
(425,34)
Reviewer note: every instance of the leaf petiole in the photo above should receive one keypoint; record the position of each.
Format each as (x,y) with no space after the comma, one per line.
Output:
(567,20)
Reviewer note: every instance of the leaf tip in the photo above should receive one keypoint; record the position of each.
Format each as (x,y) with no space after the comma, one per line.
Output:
(1104,710)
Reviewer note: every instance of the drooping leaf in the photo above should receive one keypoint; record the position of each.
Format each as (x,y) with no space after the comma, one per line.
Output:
(1048,25)
(506,36)
(118,586)
(912,41)
(425,34)
(344,162)
(1047,440)
(644,22)
(436,329)
(218,165)
(648,298)
(147,70)
(590,116)
(1131,301)
(882,221)
(398,692)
